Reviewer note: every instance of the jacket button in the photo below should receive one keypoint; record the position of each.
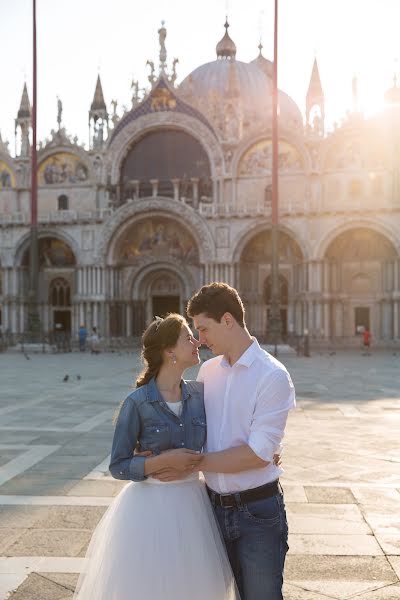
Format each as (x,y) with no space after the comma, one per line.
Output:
(180,424)
(183,443)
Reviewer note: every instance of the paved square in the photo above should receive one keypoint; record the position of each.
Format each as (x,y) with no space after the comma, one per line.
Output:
(342,479)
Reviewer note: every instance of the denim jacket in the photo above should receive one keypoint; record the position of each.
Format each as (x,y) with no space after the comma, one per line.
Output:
(145,418)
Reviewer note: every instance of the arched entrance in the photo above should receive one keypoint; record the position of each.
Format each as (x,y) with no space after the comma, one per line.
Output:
(158,259)
(57,264)
(255,280)
(165,294)
(363,281)
(60,302)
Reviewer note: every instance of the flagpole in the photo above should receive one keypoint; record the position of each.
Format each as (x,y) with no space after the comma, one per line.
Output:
(33,309)
(275,325)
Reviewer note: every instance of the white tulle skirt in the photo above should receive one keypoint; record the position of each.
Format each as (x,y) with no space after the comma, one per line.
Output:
(157,542)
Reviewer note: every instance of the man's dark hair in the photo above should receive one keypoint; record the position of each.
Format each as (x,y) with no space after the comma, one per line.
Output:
(215,300)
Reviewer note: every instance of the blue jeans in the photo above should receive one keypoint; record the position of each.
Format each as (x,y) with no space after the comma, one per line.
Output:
(255,536)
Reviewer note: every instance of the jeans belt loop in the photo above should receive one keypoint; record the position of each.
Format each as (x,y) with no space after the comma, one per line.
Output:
(238,499)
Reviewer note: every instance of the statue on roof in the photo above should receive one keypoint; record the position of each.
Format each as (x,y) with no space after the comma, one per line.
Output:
(59,112)
(162,34)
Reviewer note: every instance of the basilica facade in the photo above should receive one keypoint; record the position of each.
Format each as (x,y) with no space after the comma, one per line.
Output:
(176,192)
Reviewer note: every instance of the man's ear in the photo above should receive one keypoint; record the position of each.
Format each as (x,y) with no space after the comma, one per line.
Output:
(227,320)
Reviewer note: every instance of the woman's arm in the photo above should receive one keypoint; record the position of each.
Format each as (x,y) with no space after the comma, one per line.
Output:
(127,466)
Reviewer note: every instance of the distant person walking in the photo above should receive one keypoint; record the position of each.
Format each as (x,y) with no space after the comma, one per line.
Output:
(82,335)
(94,342)
(367,339)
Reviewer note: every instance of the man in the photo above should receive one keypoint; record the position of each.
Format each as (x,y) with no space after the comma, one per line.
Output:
(248,395)
(82,335)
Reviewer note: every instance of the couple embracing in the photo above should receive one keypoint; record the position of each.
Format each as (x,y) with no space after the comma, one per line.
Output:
(169,535)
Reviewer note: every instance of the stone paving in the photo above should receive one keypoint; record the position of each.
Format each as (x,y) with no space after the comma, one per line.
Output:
(342,478)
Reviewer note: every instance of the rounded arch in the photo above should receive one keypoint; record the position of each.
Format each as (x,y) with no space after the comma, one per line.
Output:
(8,174)
(23,244)
(127,214)
(292,140)
(139,281)
(53,152)
(135,130)
(251,233)
(322,246)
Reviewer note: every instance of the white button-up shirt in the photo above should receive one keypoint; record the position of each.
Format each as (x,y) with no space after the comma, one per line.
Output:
(246,403)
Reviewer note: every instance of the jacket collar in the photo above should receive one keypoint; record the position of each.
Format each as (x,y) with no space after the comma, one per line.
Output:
(153,393)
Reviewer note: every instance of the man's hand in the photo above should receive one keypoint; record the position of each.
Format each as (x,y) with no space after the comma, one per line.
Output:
(172,474)
(278,460)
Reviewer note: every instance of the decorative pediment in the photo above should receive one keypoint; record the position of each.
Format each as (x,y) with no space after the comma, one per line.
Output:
(162,98)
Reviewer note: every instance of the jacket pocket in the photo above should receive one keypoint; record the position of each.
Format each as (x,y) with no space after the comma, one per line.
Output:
(199,432)
(155,437)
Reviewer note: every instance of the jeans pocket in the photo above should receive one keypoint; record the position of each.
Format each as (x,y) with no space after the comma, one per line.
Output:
(266,511)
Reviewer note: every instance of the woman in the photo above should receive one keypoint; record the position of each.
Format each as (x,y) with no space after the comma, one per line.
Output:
(159,541)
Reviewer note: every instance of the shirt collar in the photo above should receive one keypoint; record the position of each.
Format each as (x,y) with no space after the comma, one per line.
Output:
(247,358)
(154,395)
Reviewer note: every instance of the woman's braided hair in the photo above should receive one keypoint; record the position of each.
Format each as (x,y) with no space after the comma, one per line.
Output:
(160,335)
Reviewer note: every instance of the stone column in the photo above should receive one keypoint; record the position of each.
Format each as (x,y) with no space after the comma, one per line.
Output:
(327,327)
(154,183)
(98,281)
(396,319)
(175,183)
(195,184)
(128,319)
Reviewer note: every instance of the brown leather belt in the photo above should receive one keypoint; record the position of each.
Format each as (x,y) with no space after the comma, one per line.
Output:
(237,499)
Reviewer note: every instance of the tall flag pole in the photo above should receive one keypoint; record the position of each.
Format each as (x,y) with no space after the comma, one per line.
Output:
(33,310)
(275,325)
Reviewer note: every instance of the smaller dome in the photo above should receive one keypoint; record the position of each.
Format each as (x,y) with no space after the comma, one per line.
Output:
(226,48)
(392,96)
(263,63)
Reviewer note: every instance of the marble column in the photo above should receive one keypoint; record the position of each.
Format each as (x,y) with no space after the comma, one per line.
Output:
(327,328)
(175,183)
(395,319)
(154,184)
(128,320)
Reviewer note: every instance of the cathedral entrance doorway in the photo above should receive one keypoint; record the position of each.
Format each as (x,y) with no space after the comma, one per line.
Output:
(162,305)
(165,294)
(62,320)
(361,319)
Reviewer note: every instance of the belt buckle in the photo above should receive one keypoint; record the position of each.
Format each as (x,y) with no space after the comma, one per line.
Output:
(221,500)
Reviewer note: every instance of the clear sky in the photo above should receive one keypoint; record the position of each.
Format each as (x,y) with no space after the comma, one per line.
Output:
(79,38)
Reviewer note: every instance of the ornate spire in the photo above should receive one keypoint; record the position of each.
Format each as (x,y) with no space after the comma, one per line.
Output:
(98,117)
(23,122)
(98,103)
(315,103)
(315,92)
(3,146)
(226,48)
(392,96)
(25,111)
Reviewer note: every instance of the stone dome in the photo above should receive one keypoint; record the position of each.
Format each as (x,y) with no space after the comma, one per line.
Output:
(249,84)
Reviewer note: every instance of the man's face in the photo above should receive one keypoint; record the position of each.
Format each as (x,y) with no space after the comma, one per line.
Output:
(211,333)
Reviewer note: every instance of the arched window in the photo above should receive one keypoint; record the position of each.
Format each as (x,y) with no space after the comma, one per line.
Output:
(63,202)
(60,292)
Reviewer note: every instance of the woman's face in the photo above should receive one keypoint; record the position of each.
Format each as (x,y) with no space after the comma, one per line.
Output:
(186,350)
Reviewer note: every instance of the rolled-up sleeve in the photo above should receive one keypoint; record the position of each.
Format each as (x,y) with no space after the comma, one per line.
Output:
(275,398)
(123,464)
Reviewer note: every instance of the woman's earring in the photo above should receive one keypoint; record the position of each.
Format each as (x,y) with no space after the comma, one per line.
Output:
(173,359)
